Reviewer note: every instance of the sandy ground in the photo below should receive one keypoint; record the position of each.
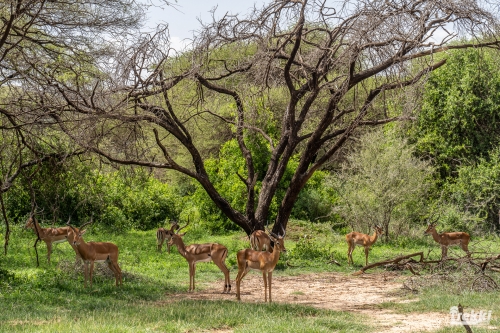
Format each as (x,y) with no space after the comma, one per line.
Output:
(334,291)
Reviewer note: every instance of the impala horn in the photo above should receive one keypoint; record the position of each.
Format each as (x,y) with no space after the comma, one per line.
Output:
(69,225)
(266,227)
(179,230)
(433,223)
(175,226)
(90,222)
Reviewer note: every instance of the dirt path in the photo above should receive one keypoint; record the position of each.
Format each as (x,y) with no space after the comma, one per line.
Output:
(335,291)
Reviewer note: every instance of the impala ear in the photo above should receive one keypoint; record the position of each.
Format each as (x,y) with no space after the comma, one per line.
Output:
(181,235)
(83,232)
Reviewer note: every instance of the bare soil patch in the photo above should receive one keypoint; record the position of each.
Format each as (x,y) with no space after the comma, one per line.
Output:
(334,291)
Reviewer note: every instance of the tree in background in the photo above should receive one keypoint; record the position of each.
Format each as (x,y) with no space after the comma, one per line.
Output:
(38,36)
(383,183)
(460,118)
(303,75)
(475,191)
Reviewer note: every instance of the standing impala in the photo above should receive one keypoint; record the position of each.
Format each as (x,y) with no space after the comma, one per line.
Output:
(95,252)
(357,238)
(448,239)
(259,240)
(260,261)
(163,234)
(202,253)
(49,235)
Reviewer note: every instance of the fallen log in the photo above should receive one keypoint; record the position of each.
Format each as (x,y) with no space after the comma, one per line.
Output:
(390,261)
(333,261)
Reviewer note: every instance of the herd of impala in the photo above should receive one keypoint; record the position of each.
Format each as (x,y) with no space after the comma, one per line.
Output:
(263,255)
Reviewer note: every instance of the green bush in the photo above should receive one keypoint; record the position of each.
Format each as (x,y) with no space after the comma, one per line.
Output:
(460,118)
(307,248)
(474,194)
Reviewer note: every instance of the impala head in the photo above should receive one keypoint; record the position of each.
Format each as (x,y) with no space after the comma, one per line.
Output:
(430,228)
(379,230)
(30,223)
(74,236)
(175,239)
(175,226)
(279,242)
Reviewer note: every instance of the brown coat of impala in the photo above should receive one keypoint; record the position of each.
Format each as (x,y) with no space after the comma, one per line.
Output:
(92,252)
(447,239)
(203,253)
(259,240)
(163,234)
(261,261)
(49,235)
(359,239)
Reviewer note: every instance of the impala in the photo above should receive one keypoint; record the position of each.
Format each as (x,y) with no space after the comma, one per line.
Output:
(92,252)
(259,240)
(448,239)
(366,241)
(202,253)
(163,234)
(49,235)
(261,261)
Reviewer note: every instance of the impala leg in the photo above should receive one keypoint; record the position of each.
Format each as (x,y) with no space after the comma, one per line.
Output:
(444,252)
(119,270)
(194,273)
(221,263)
(465,247)
(91,272)
(350,249)
(49,250)
(190,274)
(367,250)
(241,274)
(85,271)
(238,280)
(269,281)
(112,268)
(116,271)
(265,285)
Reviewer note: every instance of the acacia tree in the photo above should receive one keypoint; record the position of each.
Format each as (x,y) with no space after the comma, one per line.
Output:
(37,35)
(304,75)
(383,183)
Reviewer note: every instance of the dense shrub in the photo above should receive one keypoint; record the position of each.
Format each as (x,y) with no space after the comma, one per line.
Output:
(475,192)
(314,201)
(460,117)
(117,200)
(382,182)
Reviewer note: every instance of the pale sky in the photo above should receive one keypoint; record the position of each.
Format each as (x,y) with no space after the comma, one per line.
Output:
(182,20)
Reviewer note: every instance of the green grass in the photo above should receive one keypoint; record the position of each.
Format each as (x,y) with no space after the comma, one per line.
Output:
(51,298)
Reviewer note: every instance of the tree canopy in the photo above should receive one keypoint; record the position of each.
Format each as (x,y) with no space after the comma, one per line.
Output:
(302,76)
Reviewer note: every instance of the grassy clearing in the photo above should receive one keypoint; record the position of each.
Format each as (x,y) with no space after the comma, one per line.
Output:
(52,297)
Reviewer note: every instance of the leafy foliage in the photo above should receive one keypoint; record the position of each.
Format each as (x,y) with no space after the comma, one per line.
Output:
(118,200)
(475,190)
(383,183)
(460,117)
(314,200)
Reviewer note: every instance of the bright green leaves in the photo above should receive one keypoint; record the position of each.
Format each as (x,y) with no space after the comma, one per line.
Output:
(460,117)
